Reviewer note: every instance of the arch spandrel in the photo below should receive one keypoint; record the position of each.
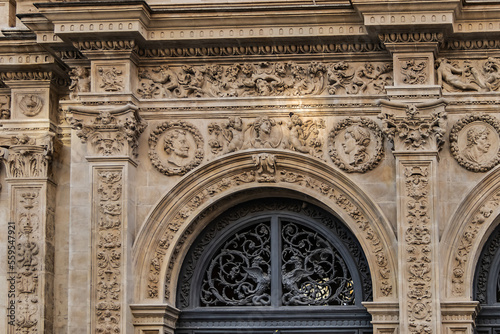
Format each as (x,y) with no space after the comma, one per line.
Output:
(466,234)
(175,222)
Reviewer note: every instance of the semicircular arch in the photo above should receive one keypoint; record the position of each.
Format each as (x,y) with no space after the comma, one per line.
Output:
(209,190)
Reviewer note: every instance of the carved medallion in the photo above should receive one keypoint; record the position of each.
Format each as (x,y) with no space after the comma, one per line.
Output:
(30,104)
(475,142)
(356,145)
(175,148)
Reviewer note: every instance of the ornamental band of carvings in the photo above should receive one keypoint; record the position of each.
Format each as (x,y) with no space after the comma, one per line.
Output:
(469,75)
(263,79)
(418,249)
(108,135)
(414,131)
(175,148)
(468,237)
(325,189)
(475,142)
(361,145)
(30,104)
(107,242)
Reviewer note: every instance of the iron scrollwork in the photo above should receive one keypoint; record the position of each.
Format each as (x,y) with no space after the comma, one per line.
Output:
(240,274)
(313,272)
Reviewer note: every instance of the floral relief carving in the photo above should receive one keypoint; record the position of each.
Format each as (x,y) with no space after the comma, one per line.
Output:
(30,104)
(108,135)
(108,253)
(175,148)
(418,249)
(414,72)
(80,81)
(28,260)
(475,142)
(266,167)
(469,75)
(263,79)
(263,132)
(468,237)
(110,79)
(414,131)
(356,144)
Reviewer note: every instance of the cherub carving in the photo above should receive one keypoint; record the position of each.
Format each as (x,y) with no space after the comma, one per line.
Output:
(80,81)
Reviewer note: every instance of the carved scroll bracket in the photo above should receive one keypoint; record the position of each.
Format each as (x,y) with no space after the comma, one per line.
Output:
(414,127)
(108,132)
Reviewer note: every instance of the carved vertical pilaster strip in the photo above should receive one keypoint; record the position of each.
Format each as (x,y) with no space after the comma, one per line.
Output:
(107,257)
(31,295)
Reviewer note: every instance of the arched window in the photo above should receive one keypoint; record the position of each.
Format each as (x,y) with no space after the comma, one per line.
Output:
(274,266)
(487,286)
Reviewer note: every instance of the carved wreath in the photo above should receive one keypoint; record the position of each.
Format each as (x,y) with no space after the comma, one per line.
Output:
(156,146)
(460,153)
(359,164)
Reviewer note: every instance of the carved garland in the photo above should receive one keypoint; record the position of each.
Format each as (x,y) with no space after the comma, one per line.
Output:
(183,159)
(323,188)
(108,253)
(470,161)
(363,132)
(461,255)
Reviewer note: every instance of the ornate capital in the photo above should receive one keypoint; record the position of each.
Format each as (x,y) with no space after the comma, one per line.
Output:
(414,127)
(28,157)
(112,132)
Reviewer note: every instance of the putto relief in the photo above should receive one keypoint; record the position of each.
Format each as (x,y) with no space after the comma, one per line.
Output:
(175,148)
(475,142)
(296,134)
(356,145)
(468,75)
(264,79)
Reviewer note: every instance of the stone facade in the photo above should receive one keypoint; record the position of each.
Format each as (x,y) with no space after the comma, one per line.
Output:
(127,127)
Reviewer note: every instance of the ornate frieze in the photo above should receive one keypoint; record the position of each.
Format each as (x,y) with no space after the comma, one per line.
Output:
(28,157)
(356,144)
(175,147)
(414,37)
(80,81)
(475,142)
(415,131)
(469,75)
(108,134)
(35,75)
(264,79)
(108,253)
(105,45)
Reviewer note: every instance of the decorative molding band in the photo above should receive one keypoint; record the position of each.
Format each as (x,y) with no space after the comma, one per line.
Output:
(100,45)
(38,75)
(411,37)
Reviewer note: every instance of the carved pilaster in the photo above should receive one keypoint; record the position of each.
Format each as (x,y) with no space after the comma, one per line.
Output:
(385,317)
(458,317)
(154,319)
(31,234)
(417,131)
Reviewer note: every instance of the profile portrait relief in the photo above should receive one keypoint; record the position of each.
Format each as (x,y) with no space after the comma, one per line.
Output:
(175,148)
(475,142)
(356,144)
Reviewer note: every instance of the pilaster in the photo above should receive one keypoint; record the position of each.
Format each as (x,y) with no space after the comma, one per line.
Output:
(31,233)
(154,319)
(111,136)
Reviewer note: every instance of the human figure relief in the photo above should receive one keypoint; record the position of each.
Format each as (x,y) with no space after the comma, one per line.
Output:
(177,147)
(356,142)
(478,144)
(451,75)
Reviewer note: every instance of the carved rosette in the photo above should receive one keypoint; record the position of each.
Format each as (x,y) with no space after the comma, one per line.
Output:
(109,135)
(475,142)
(30,104)
(418,256)
(108,253)
(175,148)
(356,145)
(415,131)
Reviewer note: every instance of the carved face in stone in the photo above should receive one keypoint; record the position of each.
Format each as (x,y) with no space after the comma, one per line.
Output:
(478,144)
(177,146)
(356,141)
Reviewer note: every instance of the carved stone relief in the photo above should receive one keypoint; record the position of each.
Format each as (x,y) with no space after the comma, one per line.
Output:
(414,72)
(175,148)
(475,142)
(356,144)
(110,78)
(281,176)
(469,75)
(30,104)
(4,107)
(264,79)
(107,242)
(263,132)
(80,81)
